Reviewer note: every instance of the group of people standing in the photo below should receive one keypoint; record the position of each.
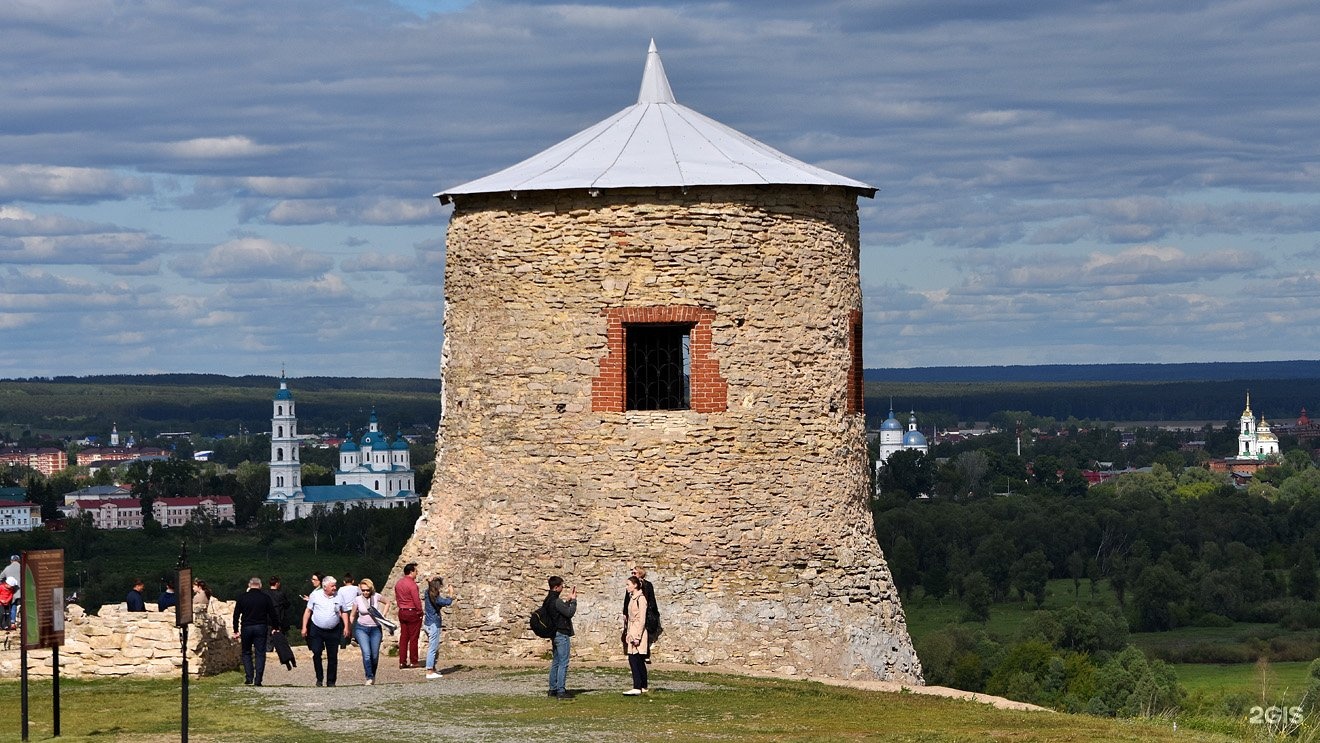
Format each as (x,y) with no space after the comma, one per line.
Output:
(641,625)
(333,612)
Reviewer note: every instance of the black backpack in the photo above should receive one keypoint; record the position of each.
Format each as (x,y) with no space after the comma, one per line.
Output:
(542,622)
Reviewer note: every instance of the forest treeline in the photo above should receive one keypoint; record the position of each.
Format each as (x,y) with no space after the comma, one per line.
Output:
(209,404)
(947,404)
(1219,371)
(213,404)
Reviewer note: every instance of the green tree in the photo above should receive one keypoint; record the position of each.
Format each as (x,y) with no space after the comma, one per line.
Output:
(976,597)
(1030,575)
(1157,597)
(907,471)
(253,487)
(1128,686)
(1076,571)
(1302,581)
(902,559)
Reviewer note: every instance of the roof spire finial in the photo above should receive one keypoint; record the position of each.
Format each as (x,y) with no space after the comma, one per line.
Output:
(655,86)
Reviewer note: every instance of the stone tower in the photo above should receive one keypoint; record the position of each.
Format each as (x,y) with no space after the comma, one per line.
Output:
(652,356)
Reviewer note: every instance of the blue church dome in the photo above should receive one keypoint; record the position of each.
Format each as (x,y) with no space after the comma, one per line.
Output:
(400,443)
(891,423)
(348,444)
(914,438)
(374,440)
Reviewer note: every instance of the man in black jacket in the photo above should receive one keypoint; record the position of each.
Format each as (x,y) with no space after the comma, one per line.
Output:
(281,602)
(561,604)
(254,614)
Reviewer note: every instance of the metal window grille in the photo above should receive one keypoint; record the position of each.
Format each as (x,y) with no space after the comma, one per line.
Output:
(659,367)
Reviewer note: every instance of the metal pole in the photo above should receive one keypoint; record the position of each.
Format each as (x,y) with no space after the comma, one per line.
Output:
(183,641)
(55,684)
(183,633)
(23,664)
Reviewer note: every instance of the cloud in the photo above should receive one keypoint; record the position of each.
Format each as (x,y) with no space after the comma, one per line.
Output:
(375,261)
(1058,181)
(52,239)
(254,258)
(51,183)
(207,148)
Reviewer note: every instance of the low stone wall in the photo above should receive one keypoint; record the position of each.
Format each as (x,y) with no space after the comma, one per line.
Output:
(117,643)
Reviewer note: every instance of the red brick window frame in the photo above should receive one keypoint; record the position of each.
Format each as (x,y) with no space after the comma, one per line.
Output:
(709,391)
(856,383)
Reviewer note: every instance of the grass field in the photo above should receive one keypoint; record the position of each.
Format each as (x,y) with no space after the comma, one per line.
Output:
(718,708)
(1269,680)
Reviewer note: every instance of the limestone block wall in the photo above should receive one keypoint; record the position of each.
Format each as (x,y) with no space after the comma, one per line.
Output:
(750,511)
(115,642)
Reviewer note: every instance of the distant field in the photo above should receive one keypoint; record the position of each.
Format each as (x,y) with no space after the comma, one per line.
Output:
(1270,680)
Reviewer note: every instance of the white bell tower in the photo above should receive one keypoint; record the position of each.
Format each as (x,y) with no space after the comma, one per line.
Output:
(285,469)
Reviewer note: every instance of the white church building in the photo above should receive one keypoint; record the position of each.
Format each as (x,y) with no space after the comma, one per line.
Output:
(894,438)
(1255,440)
(373,472)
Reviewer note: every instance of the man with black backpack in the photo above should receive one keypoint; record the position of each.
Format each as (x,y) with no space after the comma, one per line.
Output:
(560,605)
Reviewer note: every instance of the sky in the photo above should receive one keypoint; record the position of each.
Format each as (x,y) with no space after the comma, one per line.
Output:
(245,186)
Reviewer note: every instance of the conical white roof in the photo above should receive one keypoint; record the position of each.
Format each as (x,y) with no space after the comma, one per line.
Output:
(655,142)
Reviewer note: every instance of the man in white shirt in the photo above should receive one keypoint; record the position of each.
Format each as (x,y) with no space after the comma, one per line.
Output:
(325,625)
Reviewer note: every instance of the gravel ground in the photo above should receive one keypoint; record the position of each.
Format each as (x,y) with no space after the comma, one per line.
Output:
(402,701)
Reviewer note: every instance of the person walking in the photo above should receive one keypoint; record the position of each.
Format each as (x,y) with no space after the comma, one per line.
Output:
(325,625)
(635,640)
(201,599)
(432,603)
(281,601)
(7,586)
(316,586)
(135,601)
(167,597)
(560,604)
(254,615)
(365,627)
(12,575)
(408,600)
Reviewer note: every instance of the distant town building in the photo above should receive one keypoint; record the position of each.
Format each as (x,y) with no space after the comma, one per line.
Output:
(47,459)
(94,454)
(19,516)
(373,472)
(126,513)
(893,437)
(97,492)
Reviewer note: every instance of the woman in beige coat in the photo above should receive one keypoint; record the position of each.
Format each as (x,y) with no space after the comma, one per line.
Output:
(635,641)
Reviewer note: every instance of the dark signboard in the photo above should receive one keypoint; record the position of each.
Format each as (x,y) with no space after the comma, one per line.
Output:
(43,598)
(183,611)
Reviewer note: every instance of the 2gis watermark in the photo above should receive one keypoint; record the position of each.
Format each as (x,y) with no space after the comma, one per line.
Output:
(1276,717)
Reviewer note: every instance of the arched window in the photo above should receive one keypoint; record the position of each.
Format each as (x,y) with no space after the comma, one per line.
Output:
(377,486)
(279,455)
(281,432)
(279,410)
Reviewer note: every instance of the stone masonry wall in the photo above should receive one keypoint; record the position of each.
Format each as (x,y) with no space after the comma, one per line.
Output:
(116,643)
(752,519)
